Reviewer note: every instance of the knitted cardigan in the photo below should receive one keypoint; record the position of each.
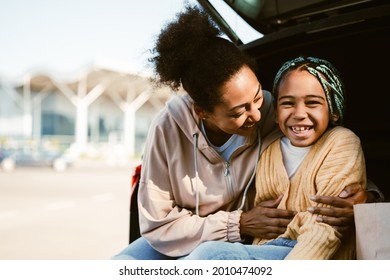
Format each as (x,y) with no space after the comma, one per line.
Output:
(335,161)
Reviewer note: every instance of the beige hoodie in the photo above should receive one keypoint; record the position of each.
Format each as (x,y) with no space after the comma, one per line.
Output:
(182,173)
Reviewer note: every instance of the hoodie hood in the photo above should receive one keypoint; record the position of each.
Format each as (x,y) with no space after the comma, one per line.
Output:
(181,109)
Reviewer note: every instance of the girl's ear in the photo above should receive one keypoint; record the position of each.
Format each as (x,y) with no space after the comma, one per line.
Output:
(335,117)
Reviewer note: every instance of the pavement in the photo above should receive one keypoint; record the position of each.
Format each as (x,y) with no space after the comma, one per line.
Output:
(79,214)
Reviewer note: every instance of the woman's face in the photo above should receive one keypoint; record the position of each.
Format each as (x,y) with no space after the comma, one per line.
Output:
(239,113)
(302,110)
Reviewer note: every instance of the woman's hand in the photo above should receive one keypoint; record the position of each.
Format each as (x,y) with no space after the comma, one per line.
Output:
(265,221)
(341,215)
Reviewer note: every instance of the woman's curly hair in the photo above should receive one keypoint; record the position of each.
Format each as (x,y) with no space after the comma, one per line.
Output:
(190,52)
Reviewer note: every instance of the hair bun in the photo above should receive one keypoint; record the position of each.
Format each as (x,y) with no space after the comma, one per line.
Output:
(181,42)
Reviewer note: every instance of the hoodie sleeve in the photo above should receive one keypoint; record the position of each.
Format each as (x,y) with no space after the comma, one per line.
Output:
(169,225)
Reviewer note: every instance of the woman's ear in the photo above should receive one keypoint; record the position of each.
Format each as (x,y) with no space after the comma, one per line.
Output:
(200,112)
(335,117)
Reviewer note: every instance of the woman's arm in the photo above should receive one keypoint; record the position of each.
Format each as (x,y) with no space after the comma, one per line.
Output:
(167,195)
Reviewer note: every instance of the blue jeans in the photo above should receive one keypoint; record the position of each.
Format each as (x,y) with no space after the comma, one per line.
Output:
(140,249)
(277,249)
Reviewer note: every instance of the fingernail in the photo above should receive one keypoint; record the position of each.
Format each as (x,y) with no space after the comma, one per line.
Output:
(313,197)
(343,194)
(310,209)
(319,219)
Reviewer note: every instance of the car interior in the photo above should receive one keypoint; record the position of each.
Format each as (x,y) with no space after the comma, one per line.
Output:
(353,35)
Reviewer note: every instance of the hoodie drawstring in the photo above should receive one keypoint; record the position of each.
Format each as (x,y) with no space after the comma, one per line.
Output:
(195,135)
(254,171)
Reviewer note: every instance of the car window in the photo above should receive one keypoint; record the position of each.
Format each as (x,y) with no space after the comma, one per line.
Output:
(243,30)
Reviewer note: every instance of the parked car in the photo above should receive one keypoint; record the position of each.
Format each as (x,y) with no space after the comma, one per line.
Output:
(26,156)
(4,153)
(352,34)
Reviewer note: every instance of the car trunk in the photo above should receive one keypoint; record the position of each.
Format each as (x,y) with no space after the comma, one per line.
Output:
(355,38)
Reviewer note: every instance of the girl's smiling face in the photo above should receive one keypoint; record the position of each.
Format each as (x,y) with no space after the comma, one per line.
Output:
(302,110)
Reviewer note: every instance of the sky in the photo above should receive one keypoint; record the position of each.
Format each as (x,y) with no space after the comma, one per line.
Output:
(67,35)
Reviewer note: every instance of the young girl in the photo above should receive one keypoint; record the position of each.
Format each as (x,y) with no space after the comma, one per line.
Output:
(316,156)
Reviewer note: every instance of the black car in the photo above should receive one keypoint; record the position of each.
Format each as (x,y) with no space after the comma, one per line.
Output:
(353,35)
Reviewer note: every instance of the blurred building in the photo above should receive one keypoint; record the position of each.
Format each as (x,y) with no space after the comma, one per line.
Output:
(96,113)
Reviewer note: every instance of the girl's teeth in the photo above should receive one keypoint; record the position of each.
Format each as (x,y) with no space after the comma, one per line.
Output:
(300,129)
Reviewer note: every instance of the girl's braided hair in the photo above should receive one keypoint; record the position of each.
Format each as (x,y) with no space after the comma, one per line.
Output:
(328,77)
